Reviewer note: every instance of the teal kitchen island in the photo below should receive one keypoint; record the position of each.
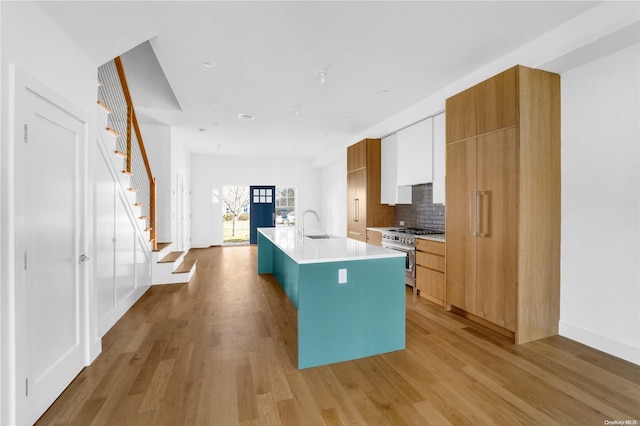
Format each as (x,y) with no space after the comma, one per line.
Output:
(350,296)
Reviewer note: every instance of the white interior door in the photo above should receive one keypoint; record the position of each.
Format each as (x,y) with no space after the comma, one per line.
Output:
(49,228)
(179,213)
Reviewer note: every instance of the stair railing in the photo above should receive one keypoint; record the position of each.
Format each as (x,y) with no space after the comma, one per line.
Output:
(130,145)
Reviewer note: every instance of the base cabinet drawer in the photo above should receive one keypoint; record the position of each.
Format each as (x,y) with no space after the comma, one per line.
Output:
(429,246)
(430,270)
(430,284)
(430,260)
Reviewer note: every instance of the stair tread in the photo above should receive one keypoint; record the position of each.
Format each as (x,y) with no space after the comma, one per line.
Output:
(113,132)
(171,257)
(120,154)
(185,266)
(104,107)
(161,246)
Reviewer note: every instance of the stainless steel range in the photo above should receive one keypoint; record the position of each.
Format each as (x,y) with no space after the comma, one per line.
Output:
(404,240)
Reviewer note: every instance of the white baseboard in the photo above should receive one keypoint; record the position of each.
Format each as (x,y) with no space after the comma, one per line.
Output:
(603,343)
(107,321)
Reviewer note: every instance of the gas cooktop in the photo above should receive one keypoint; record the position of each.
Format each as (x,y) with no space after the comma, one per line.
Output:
(418,231)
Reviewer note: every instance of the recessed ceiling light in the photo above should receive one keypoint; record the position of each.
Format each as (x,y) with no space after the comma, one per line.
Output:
(243,116)
(206,64)
(212,102)
(202,129)
(215,124)
(384,92)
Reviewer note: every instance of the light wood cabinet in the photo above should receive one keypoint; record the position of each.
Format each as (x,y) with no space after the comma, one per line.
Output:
(357,156)
(357,207)
(496,102)
(503,203)
(374,237)
(363,190)
(430,270)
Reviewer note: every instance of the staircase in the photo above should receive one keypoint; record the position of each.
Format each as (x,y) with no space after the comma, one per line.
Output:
(171,267)
(117,157)
(128,159)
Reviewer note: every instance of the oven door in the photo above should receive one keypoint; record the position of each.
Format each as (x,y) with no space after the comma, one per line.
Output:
(410,261)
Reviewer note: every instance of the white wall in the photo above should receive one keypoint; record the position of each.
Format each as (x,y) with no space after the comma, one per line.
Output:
(180,166)
(51,59)
(169,159)
(157,141)
(209,172)
(333,196)
(600,294)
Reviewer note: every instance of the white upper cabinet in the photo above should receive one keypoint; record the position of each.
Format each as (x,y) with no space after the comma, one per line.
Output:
(438,158)
(390,192)
(415,150)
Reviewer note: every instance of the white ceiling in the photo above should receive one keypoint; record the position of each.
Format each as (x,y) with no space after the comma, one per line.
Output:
(266,58)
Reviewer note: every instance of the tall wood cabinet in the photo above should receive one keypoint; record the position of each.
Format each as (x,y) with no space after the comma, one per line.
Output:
(363,190)
(503,203)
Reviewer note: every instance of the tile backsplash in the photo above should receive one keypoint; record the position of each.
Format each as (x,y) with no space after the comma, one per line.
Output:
(422,213)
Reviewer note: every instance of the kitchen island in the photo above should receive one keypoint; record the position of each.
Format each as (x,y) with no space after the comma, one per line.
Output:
(350,295)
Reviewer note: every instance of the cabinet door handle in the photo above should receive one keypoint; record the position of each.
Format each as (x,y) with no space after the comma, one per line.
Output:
(469,208)
(355,210)
(481,232)
(478,214)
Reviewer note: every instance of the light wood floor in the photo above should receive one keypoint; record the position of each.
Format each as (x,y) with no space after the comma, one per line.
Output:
(222,351)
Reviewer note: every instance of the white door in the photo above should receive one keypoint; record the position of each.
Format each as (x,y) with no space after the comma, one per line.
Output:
(180,213)
(49,230)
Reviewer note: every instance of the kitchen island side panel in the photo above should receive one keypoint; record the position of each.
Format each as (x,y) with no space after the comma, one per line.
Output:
(272,260)
(265,255)
(363,317)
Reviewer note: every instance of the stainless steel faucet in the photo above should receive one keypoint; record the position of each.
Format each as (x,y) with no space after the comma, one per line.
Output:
(304,213)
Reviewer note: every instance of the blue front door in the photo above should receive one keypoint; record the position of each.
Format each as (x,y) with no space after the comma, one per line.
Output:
(262,210)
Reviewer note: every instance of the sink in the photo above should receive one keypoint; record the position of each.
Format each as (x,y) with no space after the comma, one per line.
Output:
(318,237)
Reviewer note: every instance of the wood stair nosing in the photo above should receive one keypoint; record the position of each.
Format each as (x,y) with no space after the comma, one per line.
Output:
(113,131)
(171,257)
(161,246)
(124,172)
(104,107)
(138,204)
(120,154)
(185,267)
(133,189)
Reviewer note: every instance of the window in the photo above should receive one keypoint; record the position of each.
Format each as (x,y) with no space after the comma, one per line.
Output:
(285,206)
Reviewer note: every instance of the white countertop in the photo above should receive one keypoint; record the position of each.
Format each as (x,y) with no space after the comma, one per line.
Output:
(334,249)
(436,237)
